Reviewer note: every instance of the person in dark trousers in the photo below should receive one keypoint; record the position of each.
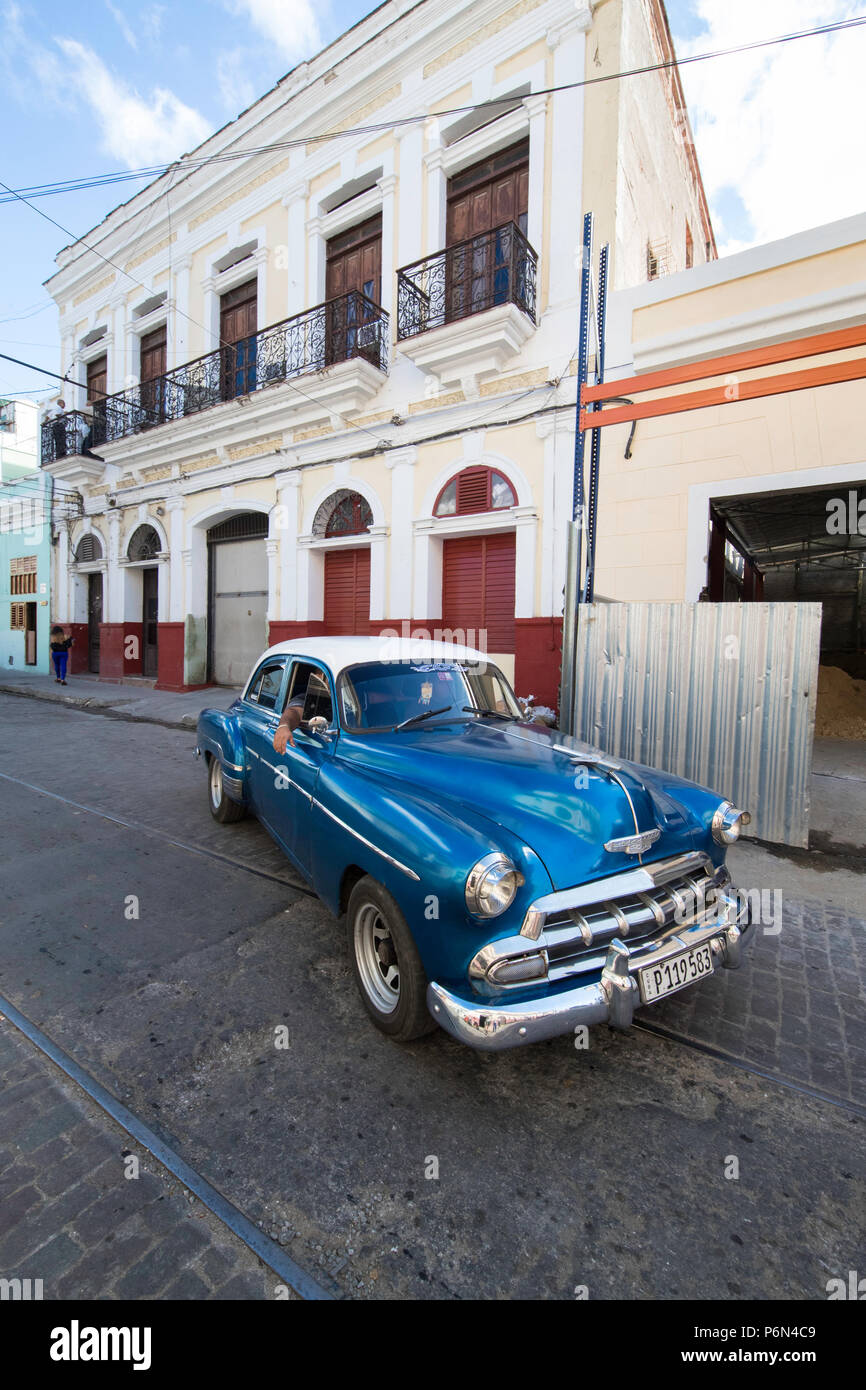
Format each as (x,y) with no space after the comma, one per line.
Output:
(60,645)
(58,430)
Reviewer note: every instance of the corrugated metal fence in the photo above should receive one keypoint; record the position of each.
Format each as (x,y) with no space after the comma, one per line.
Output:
(721,693)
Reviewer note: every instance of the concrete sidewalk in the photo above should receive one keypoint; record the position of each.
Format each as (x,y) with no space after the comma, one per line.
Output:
(126,700)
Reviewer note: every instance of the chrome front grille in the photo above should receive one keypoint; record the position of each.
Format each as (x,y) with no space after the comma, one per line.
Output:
(572,929)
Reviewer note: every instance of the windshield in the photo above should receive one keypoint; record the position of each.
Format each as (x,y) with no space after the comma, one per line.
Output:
(383,694)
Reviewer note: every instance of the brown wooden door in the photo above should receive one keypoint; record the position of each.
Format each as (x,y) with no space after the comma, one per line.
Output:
(478,589)
(238,322)
(347,592)
(149,621)
(480,269)
(152,370)
(30,634)
(354,262)
(97,386)
(97,378)
(94,618)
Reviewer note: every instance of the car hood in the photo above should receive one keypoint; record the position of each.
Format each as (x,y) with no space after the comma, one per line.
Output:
(516,776)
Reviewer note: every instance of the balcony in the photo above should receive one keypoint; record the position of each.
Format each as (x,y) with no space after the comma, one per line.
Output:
(66,449)
(438,299)
(348,334)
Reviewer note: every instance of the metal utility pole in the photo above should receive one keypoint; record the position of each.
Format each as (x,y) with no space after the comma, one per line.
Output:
(580,579)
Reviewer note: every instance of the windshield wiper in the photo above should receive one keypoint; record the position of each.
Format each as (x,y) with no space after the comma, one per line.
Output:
(427,714)
(494,713)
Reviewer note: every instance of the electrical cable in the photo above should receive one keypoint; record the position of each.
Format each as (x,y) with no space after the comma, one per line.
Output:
(148,289)
(191,165)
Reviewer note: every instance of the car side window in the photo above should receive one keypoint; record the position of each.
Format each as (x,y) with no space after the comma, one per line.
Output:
(310,692)
(318,704)
(264,688)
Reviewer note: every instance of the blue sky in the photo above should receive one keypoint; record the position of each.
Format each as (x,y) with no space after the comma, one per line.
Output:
(106,85)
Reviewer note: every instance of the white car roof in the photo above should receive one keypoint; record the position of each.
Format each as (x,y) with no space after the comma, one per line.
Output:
(339,652)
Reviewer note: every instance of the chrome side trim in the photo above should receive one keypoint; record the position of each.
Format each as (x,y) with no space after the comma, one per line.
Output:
(364,841)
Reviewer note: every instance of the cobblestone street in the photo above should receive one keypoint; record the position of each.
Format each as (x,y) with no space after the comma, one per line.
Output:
(70,1217)
(545,1156)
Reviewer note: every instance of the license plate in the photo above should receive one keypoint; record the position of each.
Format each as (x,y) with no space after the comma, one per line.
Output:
(675,973)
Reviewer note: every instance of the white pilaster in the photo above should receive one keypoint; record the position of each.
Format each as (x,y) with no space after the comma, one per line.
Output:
(272,550)
(387,293)
(174,578)
(401,462)
(288,501)
(295,203)
(378,560)
(537,108)
(112,602)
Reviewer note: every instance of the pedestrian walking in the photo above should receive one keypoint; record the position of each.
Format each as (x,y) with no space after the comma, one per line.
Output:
(60,645)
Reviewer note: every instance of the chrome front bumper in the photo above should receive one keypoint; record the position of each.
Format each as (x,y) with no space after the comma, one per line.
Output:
(612,999)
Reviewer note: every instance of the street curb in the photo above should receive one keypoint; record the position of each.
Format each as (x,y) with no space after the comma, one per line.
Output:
(93,706)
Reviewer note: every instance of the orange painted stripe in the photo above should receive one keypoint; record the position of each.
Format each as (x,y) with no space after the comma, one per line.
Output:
(737,362)
(722,395)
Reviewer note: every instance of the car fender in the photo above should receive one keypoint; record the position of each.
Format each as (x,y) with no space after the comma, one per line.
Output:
(219,734)
(421,852)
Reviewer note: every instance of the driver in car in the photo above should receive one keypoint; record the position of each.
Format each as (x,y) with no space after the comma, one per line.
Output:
(289,720)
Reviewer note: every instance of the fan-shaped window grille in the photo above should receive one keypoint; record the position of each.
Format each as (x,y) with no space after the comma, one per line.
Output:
(144,544)
(344,513)
(475,490)
(88,548)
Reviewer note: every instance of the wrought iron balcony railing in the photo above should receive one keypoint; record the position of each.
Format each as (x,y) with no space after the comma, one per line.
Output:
(496,267)
(66,436)
(340,329)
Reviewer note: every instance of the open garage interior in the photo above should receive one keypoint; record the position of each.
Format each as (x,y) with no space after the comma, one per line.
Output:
(804,545)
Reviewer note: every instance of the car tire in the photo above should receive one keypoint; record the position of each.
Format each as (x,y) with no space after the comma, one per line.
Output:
(222,808)
(385,963)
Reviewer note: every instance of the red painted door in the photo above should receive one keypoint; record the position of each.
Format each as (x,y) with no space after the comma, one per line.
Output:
(478,589)
(347,592)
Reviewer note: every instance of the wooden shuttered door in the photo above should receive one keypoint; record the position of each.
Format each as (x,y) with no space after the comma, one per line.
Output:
(97,379)
(489,194)
(153,367)
(238,319)
(355,261)
(347,592)
(478,588)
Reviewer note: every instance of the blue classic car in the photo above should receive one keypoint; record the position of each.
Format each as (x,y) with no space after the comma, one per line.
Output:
(501,879)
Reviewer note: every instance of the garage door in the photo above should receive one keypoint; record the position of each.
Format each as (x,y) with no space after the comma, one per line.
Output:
(347,591)
(478,588)
(238,608)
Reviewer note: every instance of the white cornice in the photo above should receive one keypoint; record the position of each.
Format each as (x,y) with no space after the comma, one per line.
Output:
(383,57)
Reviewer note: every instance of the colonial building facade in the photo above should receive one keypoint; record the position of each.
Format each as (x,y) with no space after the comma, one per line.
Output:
(327,361)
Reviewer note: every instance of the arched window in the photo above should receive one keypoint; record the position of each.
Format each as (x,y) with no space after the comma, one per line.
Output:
(344,513)
(144,544)
(88,548)
(475,490)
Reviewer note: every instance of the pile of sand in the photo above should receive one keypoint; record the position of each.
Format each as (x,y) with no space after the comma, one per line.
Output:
(841,711)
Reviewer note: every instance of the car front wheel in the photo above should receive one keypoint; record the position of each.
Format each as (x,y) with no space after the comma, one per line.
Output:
(222,808)
(386,964)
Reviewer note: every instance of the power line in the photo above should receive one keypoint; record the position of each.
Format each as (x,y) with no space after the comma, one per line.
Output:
(192,165)
(148,289)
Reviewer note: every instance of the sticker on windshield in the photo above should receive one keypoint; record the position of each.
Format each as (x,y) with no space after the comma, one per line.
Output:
(433,666)
(426,692)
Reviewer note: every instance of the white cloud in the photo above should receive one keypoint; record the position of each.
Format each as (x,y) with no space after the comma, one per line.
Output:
(136,130)
(120,19)
(782,126)
(291,25)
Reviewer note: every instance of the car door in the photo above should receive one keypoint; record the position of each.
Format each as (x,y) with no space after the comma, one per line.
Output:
(310,682)
(261,705)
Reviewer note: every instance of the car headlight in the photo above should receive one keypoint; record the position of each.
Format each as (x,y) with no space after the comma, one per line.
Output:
(728,823)
(491,885)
